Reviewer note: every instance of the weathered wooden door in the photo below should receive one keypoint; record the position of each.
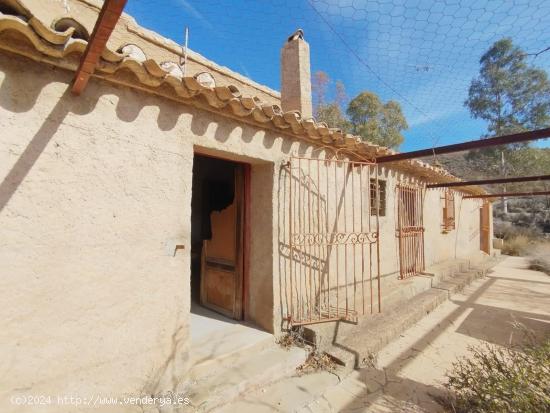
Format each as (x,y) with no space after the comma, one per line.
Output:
(410,230)
(485,228)
(222,264)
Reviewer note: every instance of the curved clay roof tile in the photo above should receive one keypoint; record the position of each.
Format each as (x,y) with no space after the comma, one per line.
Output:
(134,52)
(58,45)
(227,92)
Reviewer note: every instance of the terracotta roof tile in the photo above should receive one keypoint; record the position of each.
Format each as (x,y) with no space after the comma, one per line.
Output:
(54,47)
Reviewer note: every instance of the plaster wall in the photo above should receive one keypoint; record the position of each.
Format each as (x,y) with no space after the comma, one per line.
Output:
(343,261)
(95,192)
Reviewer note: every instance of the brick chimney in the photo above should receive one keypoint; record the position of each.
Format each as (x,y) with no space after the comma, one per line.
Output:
(296,75)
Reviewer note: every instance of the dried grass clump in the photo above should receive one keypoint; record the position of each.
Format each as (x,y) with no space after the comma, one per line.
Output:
(293,338)
(315,362)
(516,245)
(539,258)
(501,379)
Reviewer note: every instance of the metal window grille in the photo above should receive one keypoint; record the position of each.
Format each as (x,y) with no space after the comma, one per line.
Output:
(333,269)
(378,197)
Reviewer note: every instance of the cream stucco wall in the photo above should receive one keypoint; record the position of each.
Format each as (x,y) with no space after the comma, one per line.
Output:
(93,191)
(351,263)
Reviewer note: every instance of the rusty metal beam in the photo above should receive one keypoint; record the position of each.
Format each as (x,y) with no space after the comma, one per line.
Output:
(509,194)
(491,181)
(106,22)
(464,146)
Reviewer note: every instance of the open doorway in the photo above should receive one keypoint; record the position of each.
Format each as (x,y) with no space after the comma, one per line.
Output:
(227,306)
(217,241)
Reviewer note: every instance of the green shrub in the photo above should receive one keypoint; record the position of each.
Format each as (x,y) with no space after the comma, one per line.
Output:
(499,379)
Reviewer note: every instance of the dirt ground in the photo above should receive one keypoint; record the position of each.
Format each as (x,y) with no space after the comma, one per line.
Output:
(411,370)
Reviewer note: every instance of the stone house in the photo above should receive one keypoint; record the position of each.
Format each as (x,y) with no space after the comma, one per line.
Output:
(167,198)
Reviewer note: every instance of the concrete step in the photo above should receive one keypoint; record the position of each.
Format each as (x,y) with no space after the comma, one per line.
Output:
(288,395)
(226,346)
(394,293)
(373,332)
(300,393)
(377,331)
(241,373)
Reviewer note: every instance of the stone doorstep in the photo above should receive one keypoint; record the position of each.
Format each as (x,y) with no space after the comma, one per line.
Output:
(240,374)
(227,346)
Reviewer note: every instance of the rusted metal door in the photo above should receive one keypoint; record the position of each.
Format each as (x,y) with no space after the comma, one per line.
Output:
(222,274)
(333,267)
(485,227)
(410,230)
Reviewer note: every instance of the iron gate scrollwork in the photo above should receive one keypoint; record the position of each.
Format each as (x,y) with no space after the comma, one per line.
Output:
(333,241)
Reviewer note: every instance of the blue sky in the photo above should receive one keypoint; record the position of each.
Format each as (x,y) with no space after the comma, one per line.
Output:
(421,53)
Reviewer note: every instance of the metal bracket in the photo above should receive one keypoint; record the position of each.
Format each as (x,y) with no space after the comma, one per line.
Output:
(172,246)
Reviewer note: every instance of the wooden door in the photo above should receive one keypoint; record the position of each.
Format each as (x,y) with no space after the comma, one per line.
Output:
(485,227)
(222,264)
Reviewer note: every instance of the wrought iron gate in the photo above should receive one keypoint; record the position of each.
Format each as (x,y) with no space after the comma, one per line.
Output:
(334,264)
(410,230)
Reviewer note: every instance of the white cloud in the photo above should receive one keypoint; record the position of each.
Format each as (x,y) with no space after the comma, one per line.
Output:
(197,15)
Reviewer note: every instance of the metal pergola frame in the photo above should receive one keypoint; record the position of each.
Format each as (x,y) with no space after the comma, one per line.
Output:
(490,181)
(509,194)
(464,146)
(104,26)
(112,10)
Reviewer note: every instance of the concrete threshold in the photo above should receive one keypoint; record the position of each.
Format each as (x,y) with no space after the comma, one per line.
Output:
(215,338)
(230,359)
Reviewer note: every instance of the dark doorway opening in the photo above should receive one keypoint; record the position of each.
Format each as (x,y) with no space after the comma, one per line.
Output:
(217,216)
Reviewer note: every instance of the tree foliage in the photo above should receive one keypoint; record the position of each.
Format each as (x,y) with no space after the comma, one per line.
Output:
(329,112)
(377,122)
(366,115)
(332,115)
(509,94)
(512,96)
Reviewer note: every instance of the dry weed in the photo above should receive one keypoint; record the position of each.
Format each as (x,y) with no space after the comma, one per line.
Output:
(497,379)
(539,258)
(516,245)
(315,362)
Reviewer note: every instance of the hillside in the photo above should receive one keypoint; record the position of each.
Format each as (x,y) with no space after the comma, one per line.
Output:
(526,214)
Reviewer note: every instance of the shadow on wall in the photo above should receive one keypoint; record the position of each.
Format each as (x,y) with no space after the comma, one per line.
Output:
(329,269)
(65,105)
(24,83)
(287,288)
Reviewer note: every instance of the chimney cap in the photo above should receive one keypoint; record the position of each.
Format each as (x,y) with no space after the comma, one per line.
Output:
(298,34)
